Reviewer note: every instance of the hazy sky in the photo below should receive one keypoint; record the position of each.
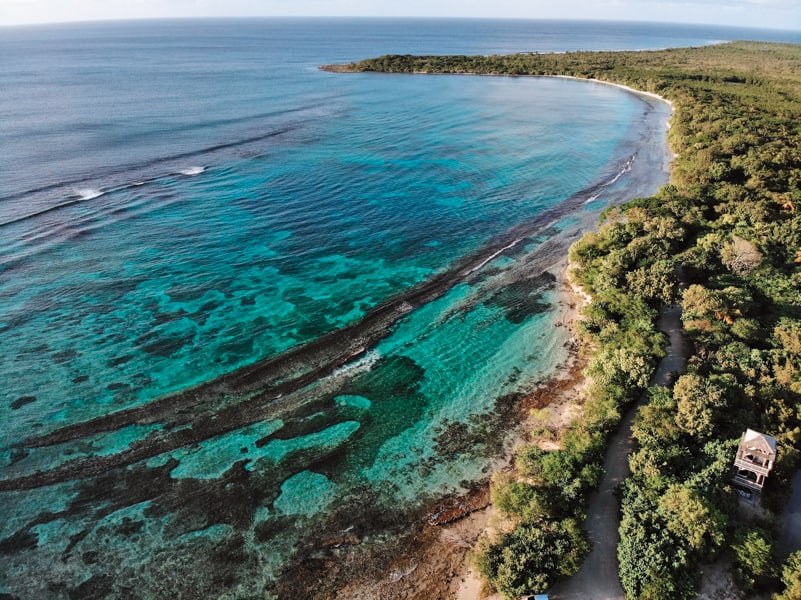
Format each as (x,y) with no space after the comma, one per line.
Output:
(782,14)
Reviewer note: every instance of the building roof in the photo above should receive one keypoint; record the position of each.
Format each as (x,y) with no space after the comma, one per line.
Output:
(754,440)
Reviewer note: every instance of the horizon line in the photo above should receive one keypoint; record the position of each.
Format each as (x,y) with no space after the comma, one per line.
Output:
(383,18)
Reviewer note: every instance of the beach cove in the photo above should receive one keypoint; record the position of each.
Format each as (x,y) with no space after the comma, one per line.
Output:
(623,314)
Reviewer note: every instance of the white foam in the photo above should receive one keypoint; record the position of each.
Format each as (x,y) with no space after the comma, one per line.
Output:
(626,169)
(491,257)
(362,365)
(192,171)
(88,193)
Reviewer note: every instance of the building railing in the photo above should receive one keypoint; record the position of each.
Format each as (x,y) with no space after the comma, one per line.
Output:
(746,482)
(741,463)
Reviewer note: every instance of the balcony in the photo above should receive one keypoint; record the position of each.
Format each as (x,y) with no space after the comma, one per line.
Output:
(753,463)
(749,479)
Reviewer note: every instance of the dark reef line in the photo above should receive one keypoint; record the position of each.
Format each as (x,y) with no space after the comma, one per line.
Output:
(251,394)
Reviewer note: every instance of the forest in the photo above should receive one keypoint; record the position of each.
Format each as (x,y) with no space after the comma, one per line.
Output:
(723,240)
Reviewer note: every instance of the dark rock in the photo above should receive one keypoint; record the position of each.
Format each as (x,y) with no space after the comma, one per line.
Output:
(22,401)
(65,356)
(168,346)
(117,386)
(96,587)
(21,540)
(120,360)
(129,526)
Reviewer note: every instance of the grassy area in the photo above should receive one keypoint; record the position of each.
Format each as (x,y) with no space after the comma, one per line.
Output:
(730,224)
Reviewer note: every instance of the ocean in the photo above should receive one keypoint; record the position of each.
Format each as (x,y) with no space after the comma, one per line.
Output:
(246,304)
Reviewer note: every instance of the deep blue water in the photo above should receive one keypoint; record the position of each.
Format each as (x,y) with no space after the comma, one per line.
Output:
(179,200)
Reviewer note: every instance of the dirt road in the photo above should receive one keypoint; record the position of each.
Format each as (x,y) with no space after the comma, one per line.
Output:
(790,539)
(598,577)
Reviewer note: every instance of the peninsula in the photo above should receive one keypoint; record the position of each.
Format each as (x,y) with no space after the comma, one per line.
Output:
(723,241)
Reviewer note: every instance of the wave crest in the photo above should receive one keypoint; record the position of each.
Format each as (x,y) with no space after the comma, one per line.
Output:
(89,193)
(192,171)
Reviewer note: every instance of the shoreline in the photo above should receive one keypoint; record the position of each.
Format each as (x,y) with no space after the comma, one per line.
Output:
(423,552)
(344,68)
(697,80)
(622,86)
(434,562)
(438,562)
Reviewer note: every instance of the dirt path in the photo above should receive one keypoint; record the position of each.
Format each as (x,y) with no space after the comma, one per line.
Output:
(790,539)
(598,577)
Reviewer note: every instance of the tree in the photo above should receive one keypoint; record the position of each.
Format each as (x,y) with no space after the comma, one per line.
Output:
(529,463)
(699,403)
(622,367)
(654,564)
(753,557)
(692,518)
(520,500)
(791,578)
(702,303)
(787,337)
(654,423)
(655,284)
(529,559)
(740,256)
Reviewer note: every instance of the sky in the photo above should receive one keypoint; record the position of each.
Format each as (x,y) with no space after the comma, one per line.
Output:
(773,14)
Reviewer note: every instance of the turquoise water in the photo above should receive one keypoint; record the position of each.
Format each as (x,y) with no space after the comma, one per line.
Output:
(125,290)
(246,304)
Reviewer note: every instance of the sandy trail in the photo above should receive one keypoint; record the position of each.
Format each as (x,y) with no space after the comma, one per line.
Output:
(598,577)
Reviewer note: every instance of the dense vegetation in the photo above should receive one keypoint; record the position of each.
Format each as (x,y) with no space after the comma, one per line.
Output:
(546,497)
(724,241)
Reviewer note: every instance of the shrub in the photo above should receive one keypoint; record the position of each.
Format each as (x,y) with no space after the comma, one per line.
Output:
(753,557)
(529,559)
(521,500)
(791,578)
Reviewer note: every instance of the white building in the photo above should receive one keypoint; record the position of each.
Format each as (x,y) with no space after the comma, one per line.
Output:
(756,456)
